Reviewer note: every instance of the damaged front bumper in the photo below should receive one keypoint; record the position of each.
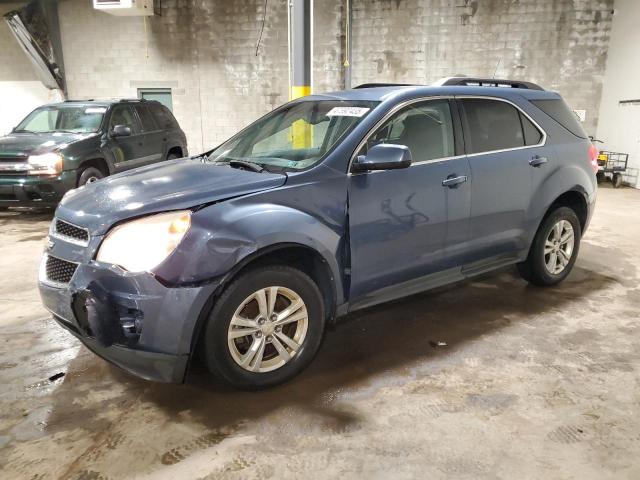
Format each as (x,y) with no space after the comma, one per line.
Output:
(131,320)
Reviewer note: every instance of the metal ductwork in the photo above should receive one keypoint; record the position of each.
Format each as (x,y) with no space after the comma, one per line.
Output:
(37,30)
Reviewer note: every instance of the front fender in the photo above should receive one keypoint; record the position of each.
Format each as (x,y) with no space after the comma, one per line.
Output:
(224,235)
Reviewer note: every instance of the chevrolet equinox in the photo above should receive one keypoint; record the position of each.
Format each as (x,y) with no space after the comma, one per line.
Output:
(326,205)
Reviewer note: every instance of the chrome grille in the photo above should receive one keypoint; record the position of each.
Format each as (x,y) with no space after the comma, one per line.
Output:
(18,159)
(58,270)
(70,231)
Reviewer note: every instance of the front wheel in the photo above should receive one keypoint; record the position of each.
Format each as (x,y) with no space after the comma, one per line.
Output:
(89,175)
(265,328)
(554,249)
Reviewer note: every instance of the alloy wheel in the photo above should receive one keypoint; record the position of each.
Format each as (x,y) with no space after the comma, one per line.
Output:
(558,247)
(267,329)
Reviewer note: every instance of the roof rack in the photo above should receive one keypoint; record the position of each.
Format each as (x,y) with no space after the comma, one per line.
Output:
(487,82)
(72,100)
(374,85)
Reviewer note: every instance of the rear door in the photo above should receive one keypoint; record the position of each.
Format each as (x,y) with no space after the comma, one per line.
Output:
(154,137)
(503,148)
(400,220)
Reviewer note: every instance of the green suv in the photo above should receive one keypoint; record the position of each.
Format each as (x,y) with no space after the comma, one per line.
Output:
(62,146)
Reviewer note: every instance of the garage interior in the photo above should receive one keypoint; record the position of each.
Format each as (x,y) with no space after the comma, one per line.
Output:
(490,378)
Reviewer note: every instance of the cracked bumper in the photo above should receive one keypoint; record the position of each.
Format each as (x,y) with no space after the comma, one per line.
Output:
(157,345)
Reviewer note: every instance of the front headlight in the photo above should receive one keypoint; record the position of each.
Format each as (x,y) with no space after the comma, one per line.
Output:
(45,164)
(140,245)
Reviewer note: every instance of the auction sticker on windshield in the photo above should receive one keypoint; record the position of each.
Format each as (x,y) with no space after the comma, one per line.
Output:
(95,110)
(347,111)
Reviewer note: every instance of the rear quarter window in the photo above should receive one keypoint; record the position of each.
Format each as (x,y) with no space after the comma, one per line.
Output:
(561,113)
(164,118)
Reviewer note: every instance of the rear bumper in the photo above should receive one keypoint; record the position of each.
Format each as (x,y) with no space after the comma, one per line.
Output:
(35,191)
(137,324)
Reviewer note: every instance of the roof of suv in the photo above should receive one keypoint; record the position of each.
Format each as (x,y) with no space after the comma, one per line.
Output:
(382,92)
(105,102)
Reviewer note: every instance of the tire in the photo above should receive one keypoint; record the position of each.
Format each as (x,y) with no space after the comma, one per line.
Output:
(89,175)
(223,355)
(173,156)
(600,177)
(616,180)
(535,268)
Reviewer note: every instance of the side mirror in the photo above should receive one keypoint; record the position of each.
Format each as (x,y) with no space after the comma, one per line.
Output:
(120,131)
(384,156)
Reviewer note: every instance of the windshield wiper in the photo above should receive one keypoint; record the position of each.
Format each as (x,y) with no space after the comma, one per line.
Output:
(22,130)
(246,165)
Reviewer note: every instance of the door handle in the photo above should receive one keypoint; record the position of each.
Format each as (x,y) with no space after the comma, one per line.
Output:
(538,161)
(452,181)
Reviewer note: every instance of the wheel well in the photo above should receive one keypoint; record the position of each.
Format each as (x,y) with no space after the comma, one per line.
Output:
(575,201)
(98,163)
(304,258)
(176,150)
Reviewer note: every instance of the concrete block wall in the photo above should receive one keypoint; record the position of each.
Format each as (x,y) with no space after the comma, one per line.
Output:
(561,44)
(205,51)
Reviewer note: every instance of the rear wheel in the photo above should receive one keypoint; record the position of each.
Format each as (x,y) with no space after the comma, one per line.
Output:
(89,175)
(600,176)
(173,156)
(554,249)
(265,328)
(616,180)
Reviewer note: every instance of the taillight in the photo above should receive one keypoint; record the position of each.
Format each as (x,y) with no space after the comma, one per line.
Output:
(593,157)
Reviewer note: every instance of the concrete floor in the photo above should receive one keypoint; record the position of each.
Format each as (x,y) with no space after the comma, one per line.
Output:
(532,383)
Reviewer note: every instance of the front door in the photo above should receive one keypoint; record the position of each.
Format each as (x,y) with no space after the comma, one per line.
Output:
(126,151)
(400,220)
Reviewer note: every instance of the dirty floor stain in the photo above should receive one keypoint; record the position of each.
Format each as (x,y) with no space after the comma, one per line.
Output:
(489,378)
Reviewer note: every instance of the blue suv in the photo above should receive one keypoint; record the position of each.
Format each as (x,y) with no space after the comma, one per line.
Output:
(328,204)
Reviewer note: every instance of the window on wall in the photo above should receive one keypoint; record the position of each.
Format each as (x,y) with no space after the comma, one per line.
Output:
(162,95)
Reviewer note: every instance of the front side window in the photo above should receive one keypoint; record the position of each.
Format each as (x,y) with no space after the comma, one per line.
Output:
(295,136)
(425,127)
(123,115)
(63,118)
(491,125)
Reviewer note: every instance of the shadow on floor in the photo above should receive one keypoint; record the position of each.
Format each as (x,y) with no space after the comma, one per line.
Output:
(386,345)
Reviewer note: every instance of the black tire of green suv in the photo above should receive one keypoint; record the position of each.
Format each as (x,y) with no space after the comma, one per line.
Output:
(89,175)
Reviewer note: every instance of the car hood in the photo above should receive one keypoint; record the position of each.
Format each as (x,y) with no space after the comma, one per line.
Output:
(171,185)
(24,144)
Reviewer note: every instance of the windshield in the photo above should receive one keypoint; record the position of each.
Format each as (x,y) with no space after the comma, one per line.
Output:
(63,118)
(296,136)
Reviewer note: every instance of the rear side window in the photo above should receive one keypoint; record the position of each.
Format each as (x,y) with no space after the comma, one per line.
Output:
(164,118)
(148,125)
(532,136)
(491,125)
(561,113)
